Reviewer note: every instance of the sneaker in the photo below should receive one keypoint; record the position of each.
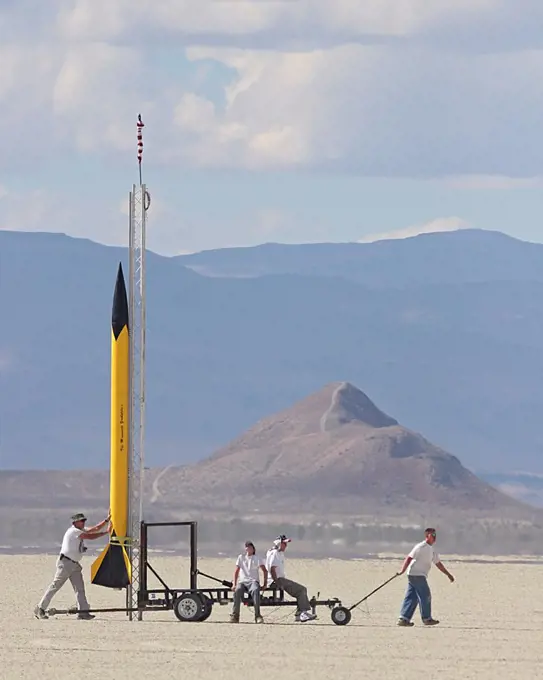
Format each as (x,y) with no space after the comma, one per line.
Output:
(430,622)
(405,623)
(307,616)
(259,619)
(40,613)
(85,616)
(234,618)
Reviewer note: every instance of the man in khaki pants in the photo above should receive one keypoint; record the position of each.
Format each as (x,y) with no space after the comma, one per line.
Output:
(275,566)
(69,567)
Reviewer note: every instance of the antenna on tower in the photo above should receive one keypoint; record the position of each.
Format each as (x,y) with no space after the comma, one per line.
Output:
(140,125)
(139,201)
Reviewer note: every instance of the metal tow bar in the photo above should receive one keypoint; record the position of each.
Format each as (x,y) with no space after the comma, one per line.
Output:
(342,615)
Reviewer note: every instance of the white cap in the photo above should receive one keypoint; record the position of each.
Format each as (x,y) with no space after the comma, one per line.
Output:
(281,539)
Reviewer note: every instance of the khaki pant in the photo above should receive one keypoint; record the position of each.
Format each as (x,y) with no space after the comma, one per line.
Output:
(296,590)
(66,571)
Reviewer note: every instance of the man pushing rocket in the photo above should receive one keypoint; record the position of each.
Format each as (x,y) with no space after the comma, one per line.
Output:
(69,565)
(112,568)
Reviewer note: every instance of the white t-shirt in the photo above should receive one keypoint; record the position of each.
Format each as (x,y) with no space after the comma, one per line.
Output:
(423,556)
(275,558)
(248,568)
(72,544)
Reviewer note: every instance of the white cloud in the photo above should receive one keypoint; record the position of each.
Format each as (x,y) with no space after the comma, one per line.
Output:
(380,87)
(440,224)
(376,111)
(93,94)
(302,24)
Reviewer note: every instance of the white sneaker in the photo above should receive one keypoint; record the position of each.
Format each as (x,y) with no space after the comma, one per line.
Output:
(307,616)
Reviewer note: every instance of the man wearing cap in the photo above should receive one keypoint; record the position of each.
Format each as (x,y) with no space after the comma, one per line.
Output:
(69,567)
(275,564)
(418,564)
(246,579)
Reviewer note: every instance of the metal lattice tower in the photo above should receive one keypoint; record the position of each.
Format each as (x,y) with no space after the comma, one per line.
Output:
(139,201)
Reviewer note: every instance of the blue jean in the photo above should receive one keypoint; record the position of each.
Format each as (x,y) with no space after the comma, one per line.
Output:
(418,592)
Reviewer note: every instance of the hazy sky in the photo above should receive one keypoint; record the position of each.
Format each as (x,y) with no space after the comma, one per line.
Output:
(272,120)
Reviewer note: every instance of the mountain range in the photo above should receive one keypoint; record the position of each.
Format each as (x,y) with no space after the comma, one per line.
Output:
(464,256)
(443,330)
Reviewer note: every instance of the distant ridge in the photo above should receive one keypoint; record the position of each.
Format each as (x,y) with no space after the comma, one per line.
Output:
(473,255)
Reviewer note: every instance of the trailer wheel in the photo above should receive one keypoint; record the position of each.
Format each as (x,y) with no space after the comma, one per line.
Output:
(189,607)
(341,616)
(207,607)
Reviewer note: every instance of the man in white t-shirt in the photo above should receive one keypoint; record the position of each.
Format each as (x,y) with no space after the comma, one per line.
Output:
(275,564)
(69,567)
(246,579)
(418,564)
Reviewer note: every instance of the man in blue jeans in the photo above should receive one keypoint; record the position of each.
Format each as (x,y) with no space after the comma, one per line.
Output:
(418,564)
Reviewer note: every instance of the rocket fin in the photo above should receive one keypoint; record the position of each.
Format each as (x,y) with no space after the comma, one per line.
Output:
(112,568)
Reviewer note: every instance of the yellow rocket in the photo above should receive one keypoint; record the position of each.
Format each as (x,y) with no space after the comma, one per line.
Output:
(112,567)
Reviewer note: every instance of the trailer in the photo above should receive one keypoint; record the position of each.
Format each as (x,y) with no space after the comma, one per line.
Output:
(192,602)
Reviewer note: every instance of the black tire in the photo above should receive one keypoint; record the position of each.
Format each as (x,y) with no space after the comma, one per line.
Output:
(189,607)
(341,616)
(208,608)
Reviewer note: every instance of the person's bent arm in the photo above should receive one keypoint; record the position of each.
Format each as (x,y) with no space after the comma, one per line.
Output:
(97,527)
(445,571)
(90,537)
(405,564)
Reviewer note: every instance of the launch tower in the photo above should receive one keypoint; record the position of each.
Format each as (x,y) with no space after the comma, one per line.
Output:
(139,201)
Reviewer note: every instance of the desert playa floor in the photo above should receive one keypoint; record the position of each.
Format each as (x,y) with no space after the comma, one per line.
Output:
(491,627)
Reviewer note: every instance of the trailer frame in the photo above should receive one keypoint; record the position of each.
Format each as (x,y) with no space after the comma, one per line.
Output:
(194,603)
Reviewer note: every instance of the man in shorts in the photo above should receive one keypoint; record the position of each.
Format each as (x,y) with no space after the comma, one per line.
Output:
(418,564)
(246,579)
(69,565)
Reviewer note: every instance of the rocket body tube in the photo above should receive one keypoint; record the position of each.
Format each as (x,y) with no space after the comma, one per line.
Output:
(112,567)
